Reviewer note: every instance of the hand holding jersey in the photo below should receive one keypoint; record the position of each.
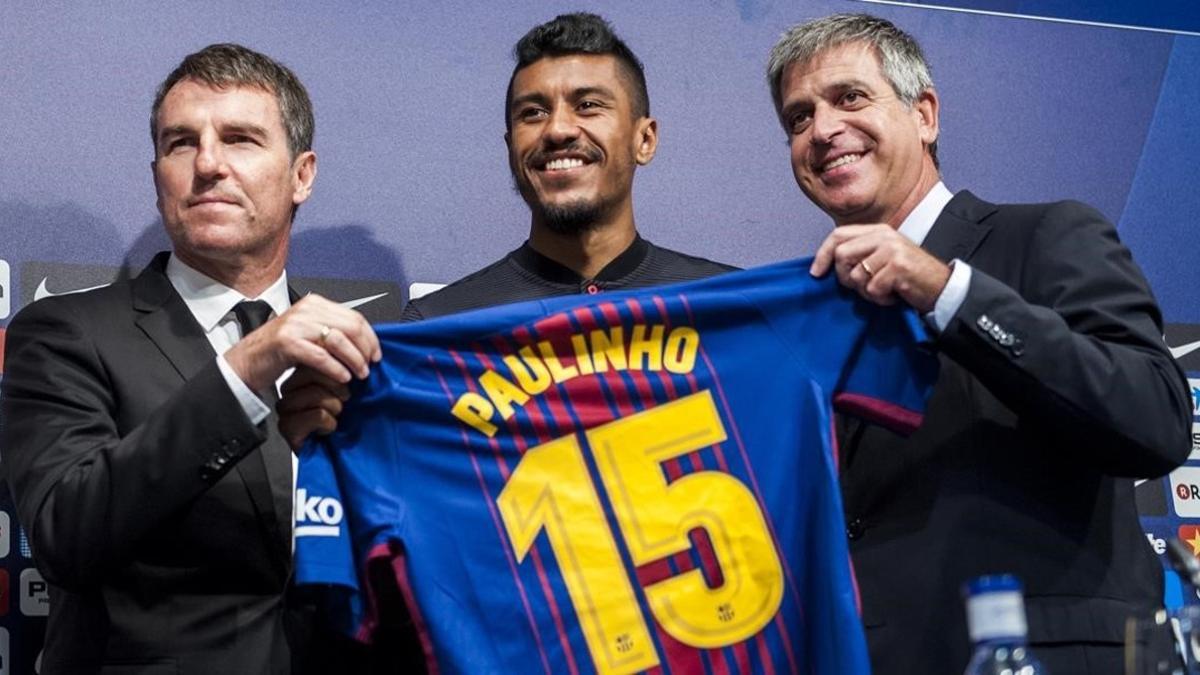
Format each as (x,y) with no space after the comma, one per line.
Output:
(316,333)
(882,265)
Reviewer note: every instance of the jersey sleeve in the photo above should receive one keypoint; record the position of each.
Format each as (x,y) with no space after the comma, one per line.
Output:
(870,359)
(889,375)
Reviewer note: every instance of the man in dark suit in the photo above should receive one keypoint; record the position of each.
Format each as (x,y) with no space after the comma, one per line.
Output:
(1056,389)
(137,428)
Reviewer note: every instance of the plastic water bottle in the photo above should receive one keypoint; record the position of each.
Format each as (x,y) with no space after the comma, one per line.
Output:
(996,622)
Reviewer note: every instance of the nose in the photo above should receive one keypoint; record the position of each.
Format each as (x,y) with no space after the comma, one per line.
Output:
(210,160)
(826,124)
(561,128)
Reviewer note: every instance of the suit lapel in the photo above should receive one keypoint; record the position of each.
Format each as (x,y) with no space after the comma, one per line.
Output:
(166,320)
(960,227)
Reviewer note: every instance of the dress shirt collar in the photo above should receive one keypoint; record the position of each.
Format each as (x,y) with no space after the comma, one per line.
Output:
(210,300)
(918,223)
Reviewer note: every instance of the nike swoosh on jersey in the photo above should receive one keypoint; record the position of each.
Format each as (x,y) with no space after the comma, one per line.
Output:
(1183,350)
(358,302)
(43,292)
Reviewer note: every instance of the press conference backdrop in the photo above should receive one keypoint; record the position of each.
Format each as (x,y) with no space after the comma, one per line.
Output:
(1041,100)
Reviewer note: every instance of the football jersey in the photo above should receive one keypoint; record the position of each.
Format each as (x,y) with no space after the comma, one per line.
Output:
(618,483)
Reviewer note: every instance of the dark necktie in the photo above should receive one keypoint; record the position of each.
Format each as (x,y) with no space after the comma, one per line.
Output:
(276,455)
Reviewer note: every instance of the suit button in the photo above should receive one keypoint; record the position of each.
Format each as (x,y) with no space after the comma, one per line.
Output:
(235,445)
(855,529)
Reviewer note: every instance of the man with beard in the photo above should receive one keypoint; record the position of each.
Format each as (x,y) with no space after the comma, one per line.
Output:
(578,126)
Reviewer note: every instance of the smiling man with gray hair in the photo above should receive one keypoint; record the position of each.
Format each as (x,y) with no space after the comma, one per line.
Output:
(1056,388)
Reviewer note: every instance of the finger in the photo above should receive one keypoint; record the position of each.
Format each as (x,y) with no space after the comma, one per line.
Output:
(311,396)
(364,338)
(304,377)
(342,348)
(824,256)
(296,429)
(312,355)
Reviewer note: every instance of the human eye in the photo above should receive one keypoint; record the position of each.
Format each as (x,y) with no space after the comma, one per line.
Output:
(798,121)
(530,113)
(174,143)
(853,98)
(240,139)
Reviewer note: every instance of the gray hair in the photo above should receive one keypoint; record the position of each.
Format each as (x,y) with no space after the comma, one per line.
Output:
(230,65)
(901,60)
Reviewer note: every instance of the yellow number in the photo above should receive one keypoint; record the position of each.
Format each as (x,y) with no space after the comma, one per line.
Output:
(550,489)
(655,518)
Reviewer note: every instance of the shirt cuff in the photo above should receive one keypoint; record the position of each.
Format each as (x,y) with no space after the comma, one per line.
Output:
(952,296)
(254,407)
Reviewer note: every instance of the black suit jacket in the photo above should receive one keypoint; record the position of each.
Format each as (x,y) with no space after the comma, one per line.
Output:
(143,489)
(1055,391)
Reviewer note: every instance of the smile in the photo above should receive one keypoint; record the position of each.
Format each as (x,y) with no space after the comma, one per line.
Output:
(563,164)
(841,161)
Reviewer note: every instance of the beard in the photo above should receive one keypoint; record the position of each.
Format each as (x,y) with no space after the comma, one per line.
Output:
(573,218)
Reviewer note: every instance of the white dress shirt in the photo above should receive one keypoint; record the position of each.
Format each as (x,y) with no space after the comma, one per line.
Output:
(211,302)
(916,227)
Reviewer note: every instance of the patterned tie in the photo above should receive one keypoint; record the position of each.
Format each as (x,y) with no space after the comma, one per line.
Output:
(276,455)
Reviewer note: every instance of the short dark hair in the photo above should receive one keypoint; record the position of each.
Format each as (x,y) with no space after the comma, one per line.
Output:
(230,65)
(579,33)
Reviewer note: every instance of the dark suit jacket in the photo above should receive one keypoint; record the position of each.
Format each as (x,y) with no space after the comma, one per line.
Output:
(1055,391)
(143,489)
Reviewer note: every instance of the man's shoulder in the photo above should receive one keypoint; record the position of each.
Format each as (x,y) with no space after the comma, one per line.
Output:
(497,283)
(664,266)
(966,204)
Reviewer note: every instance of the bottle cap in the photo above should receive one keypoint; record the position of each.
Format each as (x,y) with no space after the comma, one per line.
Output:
(995,608)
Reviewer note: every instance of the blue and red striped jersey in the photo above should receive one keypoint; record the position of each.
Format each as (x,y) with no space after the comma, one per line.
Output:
(627,482)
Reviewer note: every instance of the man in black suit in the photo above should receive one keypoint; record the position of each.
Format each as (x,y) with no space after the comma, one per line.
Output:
(1056,388)
(137,428)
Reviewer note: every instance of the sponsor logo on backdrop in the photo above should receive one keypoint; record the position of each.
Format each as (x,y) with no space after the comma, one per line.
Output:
(23,543)
(1185,491)
(317,516)
(5,592)
(4,660)
(35,595)
(2,331)
(5,534)
(1195,454)
(1190,535)
(1157,543)
(1195,386)
(1183,350)
(419,289)
(1183,339)
(5,290)
(379,301)
(43,292)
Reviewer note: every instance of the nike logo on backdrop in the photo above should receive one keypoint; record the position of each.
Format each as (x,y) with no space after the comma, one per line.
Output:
(1183,350)
(358,302)
(43,292)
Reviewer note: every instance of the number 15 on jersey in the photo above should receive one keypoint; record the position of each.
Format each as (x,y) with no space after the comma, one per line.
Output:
(552,491)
